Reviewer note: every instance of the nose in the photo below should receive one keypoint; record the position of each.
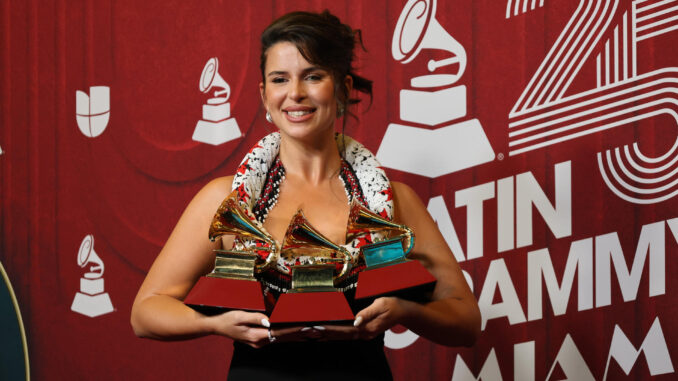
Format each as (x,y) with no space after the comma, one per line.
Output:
(297,90)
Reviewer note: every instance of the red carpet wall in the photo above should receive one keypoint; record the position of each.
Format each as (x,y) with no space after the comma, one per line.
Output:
(540,133)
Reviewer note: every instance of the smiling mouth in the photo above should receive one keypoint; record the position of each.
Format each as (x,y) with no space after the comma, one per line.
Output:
(300,113)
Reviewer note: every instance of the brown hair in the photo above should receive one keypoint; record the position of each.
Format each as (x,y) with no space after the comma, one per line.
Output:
(324,41)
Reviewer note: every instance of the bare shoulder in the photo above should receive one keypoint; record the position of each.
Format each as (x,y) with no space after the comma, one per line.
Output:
(190,232)
(212,194)
(403,191)
(408,207)
(223,183)
(430,247)
(218,188)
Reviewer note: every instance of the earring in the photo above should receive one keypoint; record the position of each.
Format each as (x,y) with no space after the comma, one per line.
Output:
(268,117)
(340,110)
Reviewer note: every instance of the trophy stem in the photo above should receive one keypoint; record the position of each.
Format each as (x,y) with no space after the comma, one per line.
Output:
(234,265)
(313,278)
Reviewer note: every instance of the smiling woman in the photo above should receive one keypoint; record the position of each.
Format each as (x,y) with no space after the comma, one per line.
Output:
(307,79)
(298,95)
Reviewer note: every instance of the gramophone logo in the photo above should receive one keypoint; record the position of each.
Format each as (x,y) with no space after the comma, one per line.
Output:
(91,300)
(217,126)
(92,111)
(454,142)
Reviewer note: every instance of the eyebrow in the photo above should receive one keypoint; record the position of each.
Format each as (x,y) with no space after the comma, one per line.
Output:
(305,71)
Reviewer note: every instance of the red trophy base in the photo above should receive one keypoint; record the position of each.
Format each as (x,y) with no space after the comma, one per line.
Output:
(393,279)
(215,295)
(306,308)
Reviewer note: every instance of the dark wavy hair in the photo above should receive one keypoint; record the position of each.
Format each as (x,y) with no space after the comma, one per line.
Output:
(324,41)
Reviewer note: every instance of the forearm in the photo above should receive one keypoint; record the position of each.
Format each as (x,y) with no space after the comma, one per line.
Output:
(450,321)
(163,317)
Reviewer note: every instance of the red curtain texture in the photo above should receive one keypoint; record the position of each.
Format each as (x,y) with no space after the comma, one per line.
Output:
(549,163)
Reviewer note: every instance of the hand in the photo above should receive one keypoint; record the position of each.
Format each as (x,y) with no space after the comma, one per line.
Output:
(382,314)
(246,327)
(253,328)
(372,321)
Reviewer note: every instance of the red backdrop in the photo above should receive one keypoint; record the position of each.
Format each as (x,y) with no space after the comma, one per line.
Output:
(565,228)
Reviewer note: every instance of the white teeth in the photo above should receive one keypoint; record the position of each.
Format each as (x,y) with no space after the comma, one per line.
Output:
(297,114)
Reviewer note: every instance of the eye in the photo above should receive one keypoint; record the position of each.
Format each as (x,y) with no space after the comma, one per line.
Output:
(314,77)
(278,79)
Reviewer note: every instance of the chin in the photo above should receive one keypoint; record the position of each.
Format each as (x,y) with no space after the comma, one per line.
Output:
(306,133)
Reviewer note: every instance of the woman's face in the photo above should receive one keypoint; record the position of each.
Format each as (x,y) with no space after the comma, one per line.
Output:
(299,95)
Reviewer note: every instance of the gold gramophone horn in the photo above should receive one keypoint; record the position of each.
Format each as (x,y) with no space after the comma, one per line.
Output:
(362,220)
(230,218)
(302,239)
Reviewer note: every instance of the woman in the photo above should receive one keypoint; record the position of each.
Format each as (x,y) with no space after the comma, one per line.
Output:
(307,81)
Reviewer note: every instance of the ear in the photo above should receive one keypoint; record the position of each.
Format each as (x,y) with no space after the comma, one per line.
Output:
(348,83)
(342,104)
(262,93)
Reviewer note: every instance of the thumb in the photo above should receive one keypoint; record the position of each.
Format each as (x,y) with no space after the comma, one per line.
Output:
(255,318)
(368,313)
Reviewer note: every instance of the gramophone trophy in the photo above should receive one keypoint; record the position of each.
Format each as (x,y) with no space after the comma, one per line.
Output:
(388,271)
(313,297)
(232,284)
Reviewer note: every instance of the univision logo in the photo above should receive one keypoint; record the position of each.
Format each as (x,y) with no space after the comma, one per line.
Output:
(92,111)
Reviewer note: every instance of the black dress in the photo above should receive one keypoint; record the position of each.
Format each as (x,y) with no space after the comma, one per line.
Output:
(311,360)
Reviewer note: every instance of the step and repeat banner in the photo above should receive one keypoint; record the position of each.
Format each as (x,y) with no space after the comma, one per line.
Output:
(541,134)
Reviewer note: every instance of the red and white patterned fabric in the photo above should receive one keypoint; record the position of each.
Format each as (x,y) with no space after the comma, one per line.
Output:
(250,181)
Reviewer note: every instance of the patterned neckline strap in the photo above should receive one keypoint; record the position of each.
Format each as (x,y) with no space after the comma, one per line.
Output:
(261,172)
(276,175)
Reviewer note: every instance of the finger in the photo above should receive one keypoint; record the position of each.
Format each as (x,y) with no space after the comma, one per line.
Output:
(280,332)
(340,333)
(339,328)
(254,319)
(376,325)
(255,337)
(295,333)
(369,312)
(379,324)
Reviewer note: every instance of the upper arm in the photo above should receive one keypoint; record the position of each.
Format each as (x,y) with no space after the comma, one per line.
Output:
(188,252)
(430,247)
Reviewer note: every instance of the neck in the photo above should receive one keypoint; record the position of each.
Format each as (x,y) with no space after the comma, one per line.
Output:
(314,162)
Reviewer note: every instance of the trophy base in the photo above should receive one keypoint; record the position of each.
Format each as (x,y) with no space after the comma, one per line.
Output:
(308,308)
(92,305)
(216,133)
(408,280)
(216,295)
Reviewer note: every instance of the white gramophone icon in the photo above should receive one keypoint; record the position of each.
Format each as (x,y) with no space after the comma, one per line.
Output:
(91,300)
(217,126)
(433,101)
